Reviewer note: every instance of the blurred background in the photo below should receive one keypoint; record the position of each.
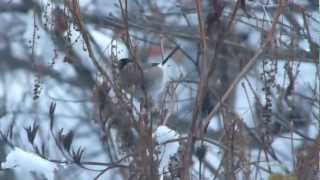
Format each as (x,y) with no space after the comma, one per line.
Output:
(53,51)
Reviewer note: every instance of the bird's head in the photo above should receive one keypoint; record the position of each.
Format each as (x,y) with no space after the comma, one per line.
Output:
(123,62)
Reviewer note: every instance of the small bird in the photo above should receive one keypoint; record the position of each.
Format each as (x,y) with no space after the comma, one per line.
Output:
(136,79)
(60,24)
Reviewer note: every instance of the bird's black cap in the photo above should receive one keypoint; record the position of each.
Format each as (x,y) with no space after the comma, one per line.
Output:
(123,62)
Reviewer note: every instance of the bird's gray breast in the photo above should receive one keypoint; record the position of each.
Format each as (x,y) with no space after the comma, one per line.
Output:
(130,75)
(153,77)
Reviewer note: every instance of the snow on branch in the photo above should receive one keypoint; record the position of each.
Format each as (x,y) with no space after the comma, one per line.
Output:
(21,160)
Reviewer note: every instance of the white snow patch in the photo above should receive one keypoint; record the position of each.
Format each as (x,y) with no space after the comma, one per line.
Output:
(162,135)
(21,160)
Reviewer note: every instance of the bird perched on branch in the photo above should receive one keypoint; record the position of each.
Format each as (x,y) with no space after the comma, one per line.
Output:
(138,79)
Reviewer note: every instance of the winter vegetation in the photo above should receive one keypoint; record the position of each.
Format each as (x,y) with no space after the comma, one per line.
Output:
(159,89)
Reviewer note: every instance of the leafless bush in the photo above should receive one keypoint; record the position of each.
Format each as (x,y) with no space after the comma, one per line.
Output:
(176,64)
